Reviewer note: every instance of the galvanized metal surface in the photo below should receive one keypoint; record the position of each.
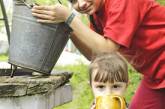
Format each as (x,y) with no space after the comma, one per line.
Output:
(34,45)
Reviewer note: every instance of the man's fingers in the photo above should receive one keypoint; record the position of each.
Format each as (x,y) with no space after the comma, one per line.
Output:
(44,21)
(47,21)
(43,12)
(44,7)
(47,14)
(43,16)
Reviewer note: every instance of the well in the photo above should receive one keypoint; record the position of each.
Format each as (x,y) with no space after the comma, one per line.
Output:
(34,91)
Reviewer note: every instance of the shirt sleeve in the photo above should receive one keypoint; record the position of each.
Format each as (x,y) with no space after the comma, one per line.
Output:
(122,22)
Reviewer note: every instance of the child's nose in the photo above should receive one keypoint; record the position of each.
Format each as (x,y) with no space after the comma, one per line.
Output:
(108,91)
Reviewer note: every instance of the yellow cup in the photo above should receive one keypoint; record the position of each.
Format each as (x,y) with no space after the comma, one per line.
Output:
(110,102)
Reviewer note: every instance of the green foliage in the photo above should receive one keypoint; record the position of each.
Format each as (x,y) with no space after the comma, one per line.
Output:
(134,79)
(161,2)
(3,57)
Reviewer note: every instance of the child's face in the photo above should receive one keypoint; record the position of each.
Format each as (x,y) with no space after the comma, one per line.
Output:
(116,88)
(101,88)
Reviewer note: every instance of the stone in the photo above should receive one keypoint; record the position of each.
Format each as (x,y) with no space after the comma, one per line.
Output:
(30,85)
(35,91)
(39,101)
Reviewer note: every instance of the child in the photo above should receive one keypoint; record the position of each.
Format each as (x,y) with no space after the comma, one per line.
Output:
(108,74)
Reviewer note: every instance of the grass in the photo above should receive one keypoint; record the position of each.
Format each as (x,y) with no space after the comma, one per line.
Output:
(3,57)
(161,2)
(82,95)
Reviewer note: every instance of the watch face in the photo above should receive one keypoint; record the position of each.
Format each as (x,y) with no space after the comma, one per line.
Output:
(110,102)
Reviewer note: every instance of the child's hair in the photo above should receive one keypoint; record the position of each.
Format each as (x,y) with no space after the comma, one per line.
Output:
(109,67)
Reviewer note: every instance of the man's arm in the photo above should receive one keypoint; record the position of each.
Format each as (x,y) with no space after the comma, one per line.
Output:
(89,42)
(86,40)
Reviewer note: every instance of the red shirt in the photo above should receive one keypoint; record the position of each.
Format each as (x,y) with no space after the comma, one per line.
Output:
(139,27)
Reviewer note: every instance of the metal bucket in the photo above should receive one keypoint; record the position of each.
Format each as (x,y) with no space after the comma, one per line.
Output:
(34,45)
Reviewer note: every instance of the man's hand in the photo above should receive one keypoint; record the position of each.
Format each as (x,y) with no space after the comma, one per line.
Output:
(51,14)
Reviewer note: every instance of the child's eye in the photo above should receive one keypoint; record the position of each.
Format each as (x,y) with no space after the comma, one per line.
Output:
(100,86)
(116,86)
